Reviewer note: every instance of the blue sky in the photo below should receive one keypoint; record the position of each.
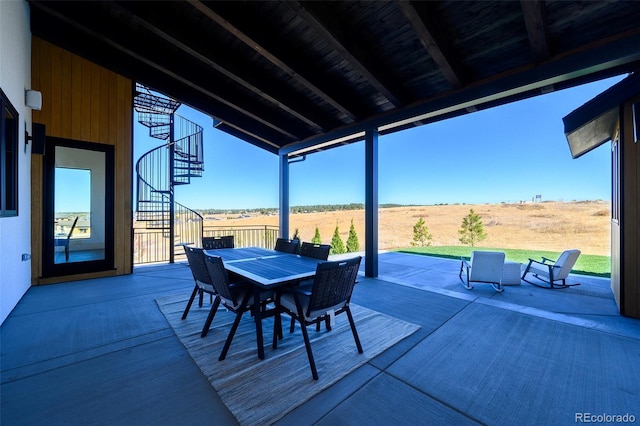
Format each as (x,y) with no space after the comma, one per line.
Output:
(79,198)
(505,154)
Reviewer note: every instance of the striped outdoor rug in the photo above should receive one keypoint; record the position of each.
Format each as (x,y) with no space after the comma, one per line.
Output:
(262,391)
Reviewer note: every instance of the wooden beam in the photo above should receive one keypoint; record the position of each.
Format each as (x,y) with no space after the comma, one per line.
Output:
(429,42)
(279,103)
(331,37)
(603,60)
(186,81)
(534,20)
(204,9)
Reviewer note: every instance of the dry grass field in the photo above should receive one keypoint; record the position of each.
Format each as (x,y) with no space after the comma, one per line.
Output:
(553,226)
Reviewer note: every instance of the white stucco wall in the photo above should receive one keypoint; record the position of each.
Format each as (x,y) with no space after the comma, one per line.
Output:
(15,77)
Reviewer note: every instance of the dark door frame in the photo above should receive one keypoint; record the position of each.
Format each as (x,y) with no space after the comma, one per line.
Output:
(50,268)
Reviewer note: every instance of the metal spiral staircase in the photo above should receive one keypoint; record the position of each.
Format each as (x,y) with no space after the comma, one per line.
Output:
(159,170)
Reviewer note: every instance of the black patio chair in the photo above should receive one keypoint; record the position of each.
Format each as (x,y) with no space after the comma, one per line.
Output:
(316,251)
(212,243)
(329,296)
(235,296)
(287,246)
(203,284)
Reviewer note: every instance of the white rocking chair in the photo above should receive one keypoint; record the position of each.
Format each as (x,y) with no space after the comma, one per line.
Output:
(484,267)
(549,271)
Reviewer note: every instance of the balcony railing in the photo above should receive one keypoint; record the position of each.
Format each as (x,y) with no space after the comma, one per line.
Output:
(150,246)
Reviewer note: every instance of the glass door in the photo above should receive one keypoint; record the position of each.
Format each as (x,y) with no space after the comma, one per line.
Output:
(78,223)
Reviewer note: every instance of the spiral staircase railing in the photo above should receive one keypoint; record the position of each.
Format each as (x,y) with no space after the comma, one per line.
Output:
(162,168)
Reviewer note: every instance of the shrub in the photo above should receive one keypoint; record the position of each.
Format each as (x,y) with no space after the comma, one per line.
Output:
(316,238)
(337,246)
(472,230)
(353,244)
(421,235)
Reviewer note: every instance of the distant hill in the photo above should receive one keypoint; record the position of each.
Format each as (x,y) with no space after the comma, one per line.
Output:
(300,209)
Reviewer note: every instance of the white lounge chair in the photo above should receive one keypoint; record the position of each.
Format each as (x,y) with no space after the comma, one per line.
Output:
(549,271)
(484,267)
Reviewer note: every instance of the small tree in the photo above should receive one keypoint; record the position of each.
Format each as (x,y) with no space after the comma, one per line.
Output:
(337,246)
(472,230)
(316,238)
(421,235)
(353,244)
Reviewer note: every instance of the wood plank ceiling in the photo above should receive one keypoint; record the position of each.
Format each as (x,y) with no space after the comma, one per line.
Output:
(291,75)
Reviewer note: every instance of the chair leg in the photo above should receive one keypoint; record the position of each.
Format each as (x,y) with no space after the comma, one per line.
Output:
(277,329)
(232,332)
(201,297)
(353,329)
(307,345)
(66,253)
(193,296)
(212,313)
(527,269)
(293,325)
(466,284)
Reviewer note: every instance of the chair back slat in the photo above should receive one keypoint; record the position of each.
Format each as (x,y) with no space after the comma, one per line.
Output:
(565,263)
(316,251)
(333,284)
(487,266)
(287,246)
(213,243)
(196,259)
(219,277)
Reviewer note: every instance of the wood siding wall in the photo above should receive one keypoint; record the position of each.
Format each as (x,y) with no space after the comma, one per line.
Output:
(630,216)
(84,102)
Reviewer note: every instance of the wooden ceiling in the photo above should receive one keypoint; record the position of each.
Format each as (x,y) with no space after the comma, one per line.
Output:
(288,75)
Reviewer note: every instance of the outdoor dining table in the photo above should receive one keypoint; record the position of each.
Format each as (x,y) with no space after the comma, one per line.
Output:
(267,270)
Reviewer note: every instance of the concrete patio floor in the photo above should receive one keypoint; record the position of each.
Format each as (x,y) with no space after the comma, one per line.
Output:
(100,352)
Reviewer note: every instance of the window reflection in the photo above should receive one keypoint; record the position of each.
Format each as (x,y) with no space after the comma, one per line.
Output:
(79,205)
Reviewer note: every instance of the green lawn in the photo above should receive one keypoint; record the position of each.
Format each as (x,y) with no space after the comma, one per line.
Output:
(587,264)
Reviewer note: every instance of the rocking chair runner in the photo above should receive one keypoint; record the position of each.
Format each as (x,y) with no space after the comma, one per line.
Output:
(549,271)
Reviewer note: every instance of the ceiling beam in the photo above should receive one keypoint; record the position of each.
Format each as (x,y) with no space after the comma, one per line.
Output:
(429,43)
(204,9)
(534,19)
(331,37)
(603,59)
(217,67)
(183,80)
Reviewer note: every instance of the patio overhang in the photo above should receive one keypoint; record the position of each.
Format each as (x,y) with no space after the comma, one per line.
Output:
(297,77)
(593,123)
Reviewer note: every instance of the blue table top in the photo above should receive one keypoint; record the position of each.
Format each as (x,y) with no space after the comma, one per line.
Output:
(267,268)
(233,254)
